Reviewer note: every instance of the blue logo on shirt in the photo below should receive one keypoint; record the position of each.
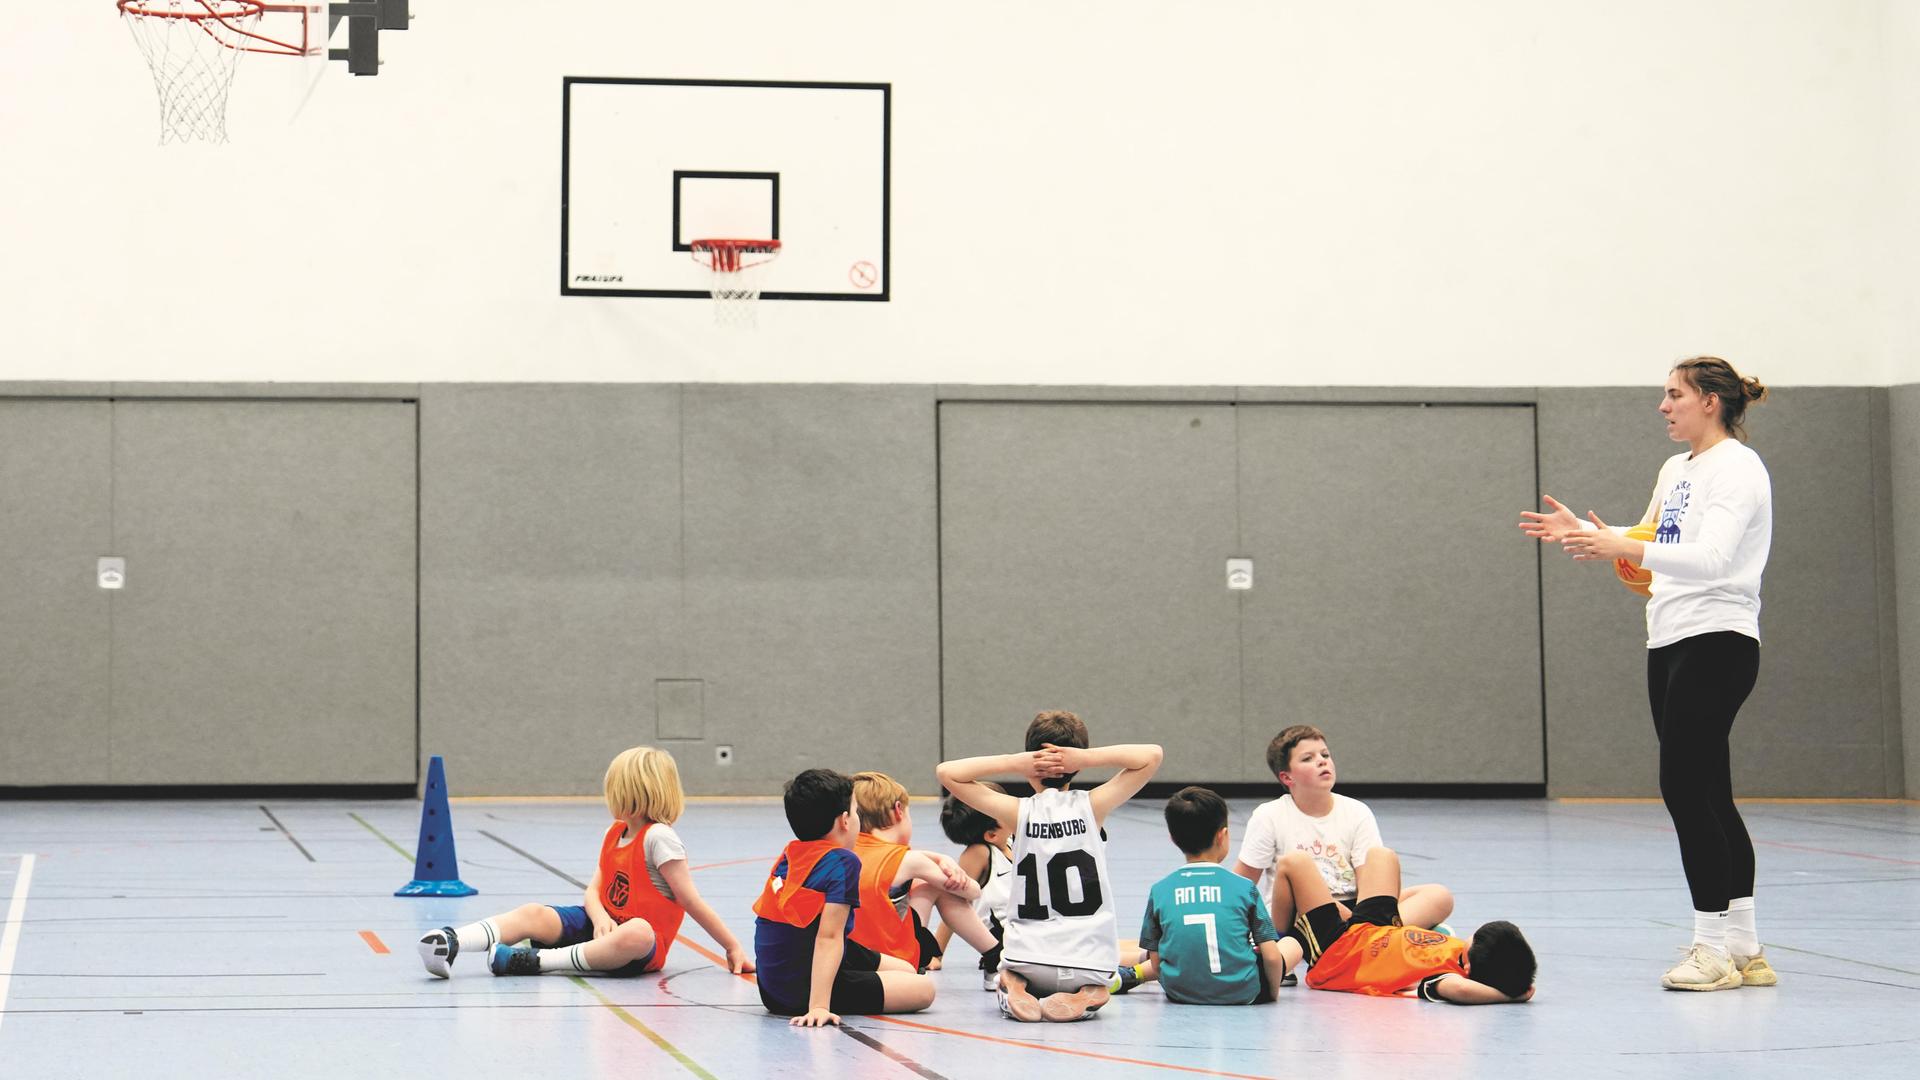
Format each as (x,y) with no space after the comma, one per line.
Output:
(1672,512)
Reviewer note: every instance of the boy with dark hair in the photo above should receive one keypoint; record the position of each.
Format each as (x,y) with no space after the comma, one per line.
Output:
(987,858)
(1335,830)
(1060,943)
(808,968)
(1206,930)
(1372,953)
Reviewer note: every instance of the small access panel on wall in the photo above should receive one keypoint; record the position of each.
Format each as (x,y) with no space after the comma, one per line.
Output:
(649,166)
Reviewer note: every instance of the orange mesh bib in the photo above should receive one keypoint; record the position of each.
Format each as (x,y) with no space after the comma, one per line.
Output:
(628,891)
(788,900)
(1382,960)
(881,928)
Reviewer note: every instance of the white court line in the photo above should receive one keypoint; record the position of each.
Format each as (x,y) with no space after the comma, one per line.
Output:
(10,935)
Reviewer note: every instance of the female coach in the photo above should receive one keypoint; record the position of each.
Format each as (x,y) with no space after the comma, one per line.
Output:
(1713,507)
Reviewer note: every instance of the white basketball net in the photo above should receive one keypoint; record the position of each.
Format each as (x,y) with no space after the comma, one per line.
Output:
(737,266)
(192,48)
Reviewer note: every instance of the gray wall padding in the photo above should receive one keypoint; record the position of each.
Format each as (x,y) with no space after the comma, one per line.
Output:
(266,631)
(1904,483)
(56,519)
(774,553)
(774,543)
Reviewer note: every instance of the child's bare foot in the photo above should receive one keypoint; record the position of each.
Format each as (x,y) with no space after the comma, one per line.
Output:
(1064,1008)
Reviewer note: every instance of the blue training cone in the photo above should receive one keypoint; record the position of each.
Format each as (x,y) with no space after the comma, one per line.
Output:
(436,872)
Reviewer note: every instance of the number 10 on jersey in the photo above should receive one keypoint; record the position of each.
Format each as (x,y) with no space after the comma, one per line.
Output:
(1057,897)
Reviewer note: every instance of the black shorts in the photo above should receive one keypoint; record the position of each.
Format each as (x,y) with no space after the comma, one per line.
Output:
(857,990)
(1321,927)
(1266,988)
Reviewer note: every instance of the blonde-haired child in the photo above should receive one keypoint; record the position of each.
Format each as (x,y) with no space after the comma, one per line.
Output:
(900,887)
(640,891)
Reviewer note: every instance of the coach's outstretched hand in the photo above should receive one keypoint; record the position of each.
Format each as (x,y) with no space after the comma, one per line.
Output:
(1551,527)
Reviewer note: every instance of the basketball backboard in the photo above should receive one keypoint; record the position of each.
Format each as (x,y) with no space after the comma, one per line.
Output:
(650,165)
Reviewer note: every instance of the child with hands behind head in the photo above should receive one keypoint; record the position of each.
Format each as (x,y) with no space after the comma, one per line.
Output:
(1057,959)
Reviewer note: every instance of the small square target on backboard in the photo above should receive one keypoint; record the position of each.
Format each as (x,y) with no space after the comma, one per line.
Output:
(648,166)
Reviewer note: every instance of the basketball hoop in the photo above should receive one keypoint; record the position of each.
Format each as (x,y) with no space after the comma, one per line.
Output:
(193,48)
(736,275)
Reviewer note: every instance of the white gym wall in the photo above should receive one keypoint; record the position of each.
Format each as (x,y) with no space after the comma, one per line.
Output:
(1479,192)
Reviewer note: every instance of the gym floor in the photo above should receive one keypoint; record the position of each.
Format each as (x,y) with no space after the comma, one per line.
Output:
(241,939)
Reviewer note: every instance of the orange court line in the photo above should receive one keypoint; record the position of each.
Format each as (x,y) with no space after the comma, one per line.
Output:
(1065,1050)
(373,942)
(718,960)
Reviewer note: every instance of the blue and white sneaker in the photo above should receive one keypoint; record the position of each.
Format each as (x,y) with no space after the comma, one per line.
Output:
(504,959)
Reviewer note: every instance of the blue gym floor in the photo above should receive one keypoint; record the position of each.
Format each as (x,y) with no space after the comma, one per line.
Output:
(235,939)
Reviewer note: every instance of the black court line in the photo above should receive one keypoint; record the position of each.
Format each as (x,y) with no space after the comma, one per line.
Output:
(285,833)
(536,860)
(893,1055)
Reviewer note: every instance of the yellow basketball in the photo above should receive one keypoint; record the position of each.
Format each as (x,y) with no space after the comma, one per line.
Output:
(1633,577)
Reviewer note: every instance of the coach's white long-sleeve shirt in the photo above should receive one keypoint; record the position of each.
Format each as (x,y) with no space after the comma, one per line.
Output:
(1714,520)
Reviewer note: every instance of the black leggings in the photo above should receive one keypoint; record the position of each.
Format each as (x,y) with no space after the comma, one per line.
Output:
(1696,686)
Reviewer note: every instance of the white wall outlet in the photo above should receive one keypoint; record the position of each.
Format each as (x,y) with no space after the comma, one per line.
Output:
(1239,573)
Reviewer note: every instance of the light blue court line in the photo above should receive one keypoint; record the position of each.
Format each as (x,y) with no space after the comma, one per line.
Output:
(10,934)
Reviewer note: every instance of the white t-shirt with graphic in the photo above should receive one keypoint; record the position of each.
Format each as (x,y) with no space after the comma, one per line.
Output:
(1714,518)
(1338,842)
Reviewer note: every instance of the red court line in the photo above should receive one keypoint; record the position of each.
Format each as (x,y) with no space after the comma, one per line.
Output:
(373,942)
(1022,1043)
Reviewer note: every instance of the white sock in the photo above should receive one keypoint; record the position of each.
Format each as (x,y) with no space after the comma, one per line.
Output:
(1742,938)
(571,958)
(478,937)
(1710,929)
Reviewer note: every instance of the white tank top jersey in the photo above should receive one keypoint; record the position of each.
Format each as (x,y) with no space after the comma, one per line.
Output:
(992,901)
(1062,901)
(1714,527)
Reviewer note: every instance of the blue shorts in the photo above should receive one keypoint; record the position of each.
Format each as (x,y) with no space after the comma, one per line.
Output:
(577,929)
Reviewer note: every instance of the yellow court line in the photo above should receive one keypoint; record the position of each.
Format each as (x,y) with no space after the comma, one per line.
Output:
(633,1022)
(383,836)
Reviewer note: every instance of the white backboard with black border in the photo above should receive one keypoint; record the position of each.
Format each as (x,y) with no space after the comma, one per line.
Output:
(649,165)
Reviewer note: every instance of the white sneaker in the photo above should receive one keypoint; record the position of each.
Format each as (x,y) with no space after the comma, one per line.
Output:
(989,981)
(1702,968)
(1755,971)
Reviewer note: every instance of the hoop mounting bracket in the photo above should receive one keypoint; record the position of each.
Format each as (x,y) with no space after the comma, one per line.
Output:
(365,19)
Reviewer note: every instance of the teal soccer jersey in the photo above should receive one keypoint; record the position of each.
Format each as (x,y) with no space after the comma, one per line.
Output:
(1204,921)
